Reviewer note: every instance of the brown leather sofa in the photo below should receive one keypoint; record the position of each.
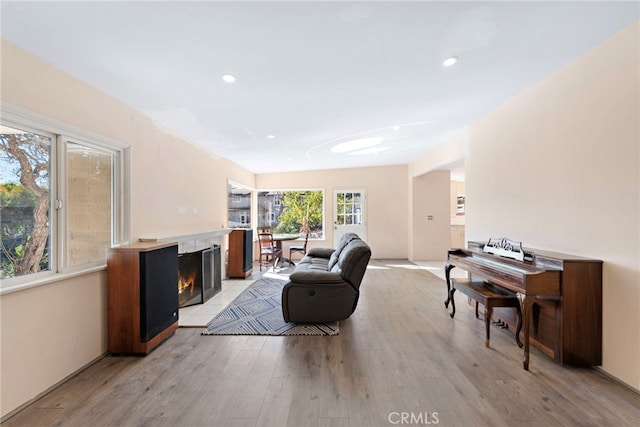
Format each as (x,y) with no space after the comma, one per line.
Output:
(325,285)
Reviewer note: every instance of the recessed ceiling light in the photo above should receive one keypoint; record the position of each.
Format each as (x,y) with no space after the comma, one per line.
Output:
(228,78)
(356,144)
(450,61)
(396,127)
(270,136)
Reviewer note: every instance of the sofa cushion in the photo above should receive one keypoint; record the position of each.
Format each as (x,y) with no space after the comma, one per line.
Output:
(311,263)
(353,261)
(317,277)
(320,252)
(345,239)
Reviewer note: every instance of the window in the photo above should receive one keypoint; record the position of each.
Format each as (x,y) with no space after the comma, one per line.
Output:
(62,198)
(349,208)
(25,183)
(238,206)
(292,212)
(89,196)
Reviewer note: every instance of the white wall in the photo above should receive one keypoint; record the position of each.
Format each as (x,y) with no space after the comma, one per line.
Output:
(51,331)
(387,199)
(557,167)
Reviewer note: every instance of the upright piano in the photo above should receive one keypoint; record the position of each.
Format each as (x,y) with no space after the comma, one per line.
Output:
(561,299)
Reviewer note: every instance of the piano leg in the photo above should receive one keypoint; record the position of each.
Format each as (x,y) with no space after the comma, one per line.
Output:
(447,275)
(453,302)
(518,325)
(488,311)
(527,303)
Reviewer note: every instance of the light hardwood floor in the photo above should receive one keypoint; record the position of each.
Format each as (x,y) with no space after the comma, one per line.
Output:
(399,360)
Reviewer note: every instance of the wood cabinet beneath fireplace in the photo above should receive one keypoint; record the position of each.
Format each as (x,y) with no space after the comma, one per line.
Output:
(240,264)
(142,296)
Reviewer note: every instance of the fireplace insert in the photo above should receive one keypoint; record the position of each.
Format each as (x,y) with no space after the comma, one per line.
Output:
(199,276)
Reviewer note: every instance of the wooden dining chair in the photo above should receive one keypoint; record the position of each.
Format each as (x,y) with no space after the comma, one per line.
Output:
(269,252)
(299,249)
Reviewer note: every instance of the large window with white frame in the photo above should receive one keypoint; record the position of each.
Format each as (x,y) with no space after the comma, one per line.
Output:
(63,198)
(292,211)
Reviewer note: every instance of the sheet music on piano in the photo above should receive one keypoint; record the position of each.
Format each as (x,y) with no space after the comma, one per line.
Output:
(505,247)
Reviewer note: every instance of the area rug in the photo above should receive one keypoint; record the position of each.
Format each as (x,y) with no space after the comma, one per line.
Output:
(258,311)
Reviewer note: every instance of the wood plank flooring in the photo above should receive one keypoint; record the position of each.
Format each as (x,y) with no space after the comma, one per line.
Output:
(399,360)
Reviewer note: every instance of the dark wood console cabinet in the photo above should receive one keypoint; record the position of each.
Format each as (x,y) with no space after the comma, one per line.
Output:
(142,296)
(240,264)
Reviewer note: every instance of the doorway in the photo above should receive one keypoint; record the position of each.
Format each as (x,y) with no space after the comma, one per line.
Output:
(349,214)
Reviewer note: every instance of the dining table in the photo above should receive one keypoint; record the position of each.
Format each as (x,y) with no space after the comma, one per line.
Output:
(278,238)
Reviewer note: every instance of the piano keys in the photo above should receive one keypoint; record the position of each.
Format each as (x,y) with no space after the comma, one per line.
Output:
(561,297)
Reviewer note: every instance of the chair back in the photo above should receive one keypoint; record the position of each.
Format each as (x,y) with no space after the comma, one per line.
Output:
(306,239)
(266,242)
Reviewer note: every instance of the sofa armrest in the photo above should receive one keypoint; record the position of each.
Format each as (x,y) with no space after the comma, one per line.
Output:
(320,252)
(315,277)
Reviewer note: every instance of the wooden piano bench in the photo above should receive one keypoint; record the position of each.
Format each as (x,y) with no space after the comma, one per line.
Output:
(489,296)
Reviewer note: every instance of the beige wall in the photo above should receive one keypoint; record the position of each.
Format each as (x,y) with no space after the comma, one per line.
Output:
(557,167)
(50,331)
(178,188)
(441,156)
(386,187)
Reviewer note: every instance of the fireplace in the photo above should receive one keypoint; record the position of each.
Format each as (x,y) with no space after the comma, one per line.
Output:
(199,276)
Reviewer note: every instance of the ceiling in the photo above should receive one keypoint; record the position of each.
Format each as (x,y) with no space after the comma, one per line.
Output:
(312,74)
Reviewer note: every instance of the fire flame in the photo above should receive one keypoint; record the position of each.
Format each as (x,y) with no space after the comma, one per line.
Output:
(187,284)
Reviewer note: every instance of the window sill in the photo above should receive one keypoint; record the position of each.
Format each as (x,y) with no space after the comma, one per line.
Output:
(4,290)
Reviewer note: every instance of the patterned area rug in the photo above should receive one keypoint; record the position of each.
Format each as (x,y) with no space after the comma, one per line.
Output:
(258,311)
